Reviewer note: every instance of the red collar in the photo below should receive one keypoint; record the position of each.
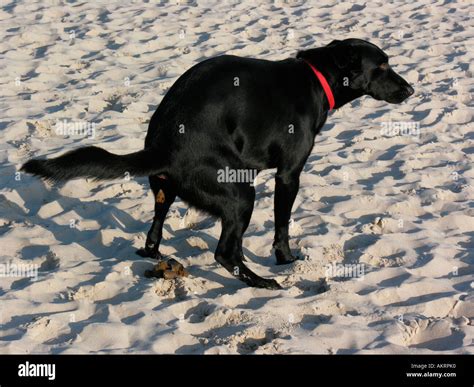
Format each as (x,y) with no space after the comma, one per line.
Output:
(325,85)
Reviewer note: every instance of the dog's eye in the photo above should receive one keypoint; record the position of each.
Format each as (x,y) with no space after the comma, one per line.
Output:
(384,66)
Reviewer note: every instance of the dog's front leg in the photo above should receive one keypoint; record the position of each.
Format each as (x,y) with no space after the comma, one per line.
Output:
(286,188)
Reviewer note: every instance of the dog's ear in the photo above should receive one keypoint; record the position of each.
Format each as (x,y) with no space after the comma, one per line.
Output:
(304,54)
(301,55)
(344,56)
(313,54)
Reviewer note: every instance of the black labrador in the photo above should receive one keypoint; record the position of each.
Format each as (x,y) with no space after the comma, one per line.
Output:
(238,114)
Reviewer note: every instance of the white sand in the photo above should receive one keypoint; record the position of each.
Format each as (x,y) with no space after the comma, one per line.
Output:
(400,206)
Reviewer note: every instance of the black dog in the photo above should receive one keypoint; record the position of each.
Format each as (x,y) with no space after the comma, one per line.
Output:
(240,114)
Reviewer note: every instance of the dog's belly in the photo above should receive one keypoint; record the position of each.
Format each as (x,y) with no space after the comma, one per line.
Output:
(273,145)
(260,157)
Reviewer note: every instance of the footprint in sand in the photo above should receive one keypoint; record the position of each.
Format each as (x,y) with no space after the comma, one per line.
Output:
(418,331)
(252,339)
(44,329)
(43,128)
(99,292)
(333,253)
(179,288)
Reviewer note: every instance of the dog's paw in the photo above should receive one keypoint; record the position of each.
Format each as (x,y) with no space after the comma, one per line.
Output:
(268,284)
(149,253)
(284,259)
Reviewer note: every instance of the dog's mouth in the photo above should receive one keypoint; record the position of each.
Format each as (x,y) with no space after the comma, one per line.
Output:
(396,98)
(400,95)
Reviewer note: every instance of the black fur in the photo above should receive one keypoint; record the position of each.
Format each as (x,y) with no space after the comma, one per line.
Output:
(95,163)
(238,113)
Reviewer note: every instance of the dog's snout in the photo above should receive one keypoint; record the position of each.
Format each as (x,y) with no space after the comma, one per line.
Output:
(409,90)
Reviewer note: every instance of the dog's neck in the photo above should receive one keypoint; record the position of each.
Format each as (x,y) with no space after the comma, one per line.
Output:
(338,80)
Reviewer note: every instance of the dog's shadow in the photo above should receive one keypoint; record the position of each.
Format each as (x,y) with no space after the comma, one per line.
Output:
(35,194)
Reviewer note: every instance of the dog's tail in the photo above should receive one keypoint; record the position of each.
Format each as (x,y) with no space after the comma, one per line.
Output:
(96,163)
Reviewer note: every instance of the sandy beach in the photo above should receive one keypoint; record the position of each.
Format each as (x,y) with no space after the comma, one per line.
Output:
(383,221)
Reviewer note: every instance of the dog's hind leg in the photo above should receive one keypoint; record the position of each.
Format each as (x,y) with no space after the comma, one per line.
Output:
(164,195)
(235,219)
(232,202)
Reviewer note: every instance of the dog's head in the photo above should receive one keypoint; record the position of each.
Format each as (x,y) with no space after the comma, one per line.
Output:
(366,70)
